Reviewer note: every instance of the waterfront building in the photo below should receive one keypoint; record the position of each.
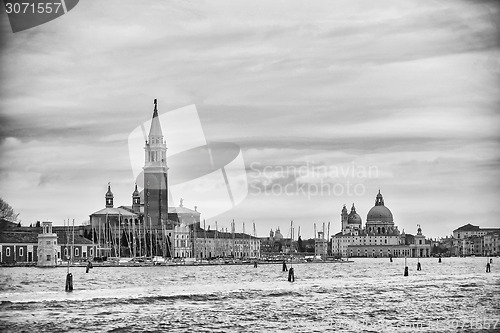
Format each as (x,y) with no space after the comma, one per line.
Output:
(379,238)
(471,240)
(20,245)
(47,246)
(321,245)
(219,244)
(491,243)
(469,230)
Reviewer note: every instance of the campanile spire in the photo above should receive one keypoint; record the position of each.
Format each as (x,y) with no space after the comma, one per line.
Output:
(155,174)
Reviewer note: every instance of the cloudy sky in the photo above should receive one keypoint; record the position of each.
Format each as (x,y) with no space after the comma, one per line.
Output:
(403,93)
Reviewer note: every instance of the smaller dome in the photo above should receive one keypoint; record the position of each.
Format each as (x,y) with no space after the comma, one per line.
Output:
(353,217)
(109,194)
(136,192)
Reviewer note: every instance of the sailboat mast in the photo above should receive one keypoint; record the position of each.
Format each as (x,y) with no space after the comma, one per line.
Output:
(73,242)
(205,239)
(291,241)
(216,239)
(315,236)
(328,240)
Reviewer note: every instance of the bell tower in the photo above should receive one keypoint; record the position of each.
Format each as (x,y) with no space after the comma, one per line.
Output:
(136,201)
(155,175)
(379,201)
(109,197)
(343,219)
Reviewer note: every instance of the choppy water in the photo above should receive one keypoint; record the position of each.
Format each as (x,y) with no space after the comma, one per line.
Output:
(369,295)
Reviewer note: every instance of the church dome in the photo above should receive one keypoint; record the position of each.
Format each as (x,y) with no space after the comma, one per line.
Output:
(353,217)
(379,212)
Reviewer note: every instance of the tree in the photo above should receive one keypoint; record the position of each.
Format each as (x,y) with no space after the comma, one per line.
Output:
(7,212)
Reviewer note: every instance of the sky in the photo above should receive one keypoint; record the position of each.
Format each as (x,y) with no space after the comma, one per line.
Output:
(328,102)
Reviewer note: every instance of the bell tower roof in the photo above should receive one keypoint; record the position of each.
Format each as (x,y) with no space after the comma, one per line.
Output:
(136,192)
(109,194)
(109,197)
(379,201)
(155,130)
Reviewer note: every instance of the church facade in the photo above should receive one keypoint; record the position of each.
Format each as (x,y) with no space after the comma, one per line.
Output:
(149,227)
(380,237)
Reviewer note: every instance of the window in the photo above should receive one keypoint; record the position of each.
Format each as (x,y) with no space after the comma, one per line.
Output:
(77,252)
(49,242)
(21,252)
(48,257)
(7,252)
(91,252)
(65,251)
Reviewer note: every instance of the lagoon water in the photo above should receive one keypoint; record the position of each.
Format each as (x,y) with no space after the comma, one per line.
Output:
(368,295)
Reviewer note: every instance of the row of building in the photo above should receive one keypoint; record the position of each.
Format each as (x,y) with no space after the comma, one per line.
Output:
(44,244)
(149,227)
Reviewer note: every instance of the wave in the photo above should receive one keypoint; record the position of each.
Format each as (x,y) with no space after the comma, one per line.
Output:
(152,299)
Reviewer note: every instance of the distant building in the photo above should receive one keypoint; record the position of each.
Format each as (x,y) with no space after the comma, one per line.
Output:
(218,244)
(469,230)
(275,243)
(491,245)
(320,245)
(29,245)
(47,246)
(379,238)
(471,240)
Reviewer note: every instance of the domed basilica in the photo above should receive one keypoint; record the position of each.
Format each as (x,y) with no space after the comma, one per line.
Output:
(379,238)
